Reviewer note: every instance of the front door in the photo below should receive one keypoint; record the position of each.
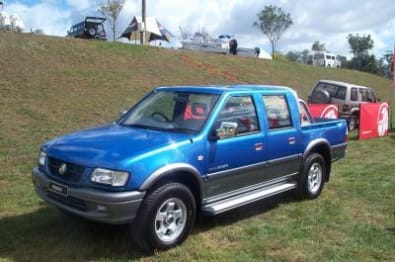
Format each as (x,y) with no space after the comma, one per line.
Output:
(236,157)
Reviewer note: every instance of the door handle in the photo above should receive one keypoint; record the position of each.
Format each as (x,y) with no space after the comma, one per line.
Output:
(258,147)
(291,140)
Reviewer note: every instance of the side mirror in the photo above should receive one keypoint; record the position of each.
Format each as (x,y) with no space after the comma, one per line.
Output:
(226,129)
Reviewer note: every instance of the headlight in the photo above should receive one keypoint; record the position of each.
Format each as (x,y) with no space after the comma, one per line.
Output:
(109,177)
(41,158)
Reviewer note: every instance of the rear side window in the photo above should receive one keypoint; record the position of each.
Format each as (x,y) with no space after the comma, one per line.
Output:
(354,94)
(331,89)
(341,93)
(277,111)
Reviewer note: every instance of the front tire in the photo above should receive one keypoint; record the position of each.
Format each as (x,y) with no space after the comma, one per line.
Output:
(165,218)
(313,176)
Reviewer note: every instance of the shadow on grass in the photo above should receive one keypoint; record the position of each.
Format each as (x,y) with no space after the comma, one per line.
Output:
(50,235)
(256,208)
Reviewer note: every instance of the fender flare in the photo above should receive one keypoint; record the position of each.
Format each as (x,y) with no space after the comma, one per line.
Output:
(171,169)
(320,142)
(313,144)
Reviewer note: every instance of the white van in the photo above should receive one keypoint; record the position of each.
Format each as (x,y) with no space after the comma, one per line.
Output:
(326,59)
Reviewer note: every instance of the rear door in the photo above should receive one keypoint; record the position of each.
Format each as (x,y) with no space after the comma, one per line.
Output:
(284,140)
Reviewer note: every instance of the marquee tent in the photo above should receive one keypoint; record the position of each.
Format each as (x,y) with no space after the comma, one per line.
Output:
(154,30)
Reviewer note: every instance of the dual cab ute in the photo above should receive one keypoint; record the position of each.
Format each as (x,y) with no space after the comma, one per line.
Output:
(184,151)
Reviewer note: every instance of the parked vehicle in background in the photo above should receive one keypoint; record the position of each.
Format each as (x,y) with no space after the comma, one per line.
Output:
(347,96)
(326,59)
(184,151)
(90,28)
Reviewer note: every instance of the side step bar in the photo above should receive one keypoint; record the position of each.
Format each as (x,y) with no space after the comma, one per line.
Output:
(246,198)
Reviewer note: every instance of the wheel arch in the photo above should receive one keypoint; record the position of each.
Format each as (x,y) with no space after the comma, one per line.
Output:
(322,147)
(354,111)
(179,172)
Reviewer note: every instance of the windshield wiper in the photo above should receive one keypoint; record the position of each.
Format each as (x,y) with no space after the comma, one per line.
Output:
(136,125)
(183,130)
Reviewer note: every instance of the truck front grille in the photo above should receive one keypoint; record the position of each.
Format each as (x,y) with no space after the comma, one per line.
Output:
(72,172)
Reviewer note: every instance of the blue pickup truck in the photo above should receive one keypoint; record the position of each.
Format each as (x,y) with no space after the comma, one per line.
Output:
(184,151)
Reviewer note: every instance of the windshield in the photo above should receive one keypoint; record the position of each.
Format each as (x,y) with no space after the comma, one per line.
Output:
(171,111)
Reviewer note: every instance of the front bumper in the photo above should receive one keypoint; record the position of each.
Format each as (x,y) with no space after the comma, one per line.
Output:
(96,205)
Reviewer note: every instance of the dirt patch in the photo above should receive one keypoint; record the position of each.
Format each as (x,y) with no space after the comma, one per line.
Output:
(210,69)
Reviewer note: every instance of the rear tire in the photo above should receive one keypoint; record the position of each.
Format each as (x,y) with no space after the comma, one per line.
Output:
(165,218)
(313,176)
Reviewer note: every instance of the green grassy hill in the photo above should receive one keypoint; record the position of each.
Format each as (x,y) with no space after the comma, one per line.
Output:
(50,86)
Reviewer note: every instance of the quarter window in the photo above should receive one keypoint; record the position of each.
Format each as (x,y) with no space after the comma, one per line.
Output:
(367,95)
(277,111)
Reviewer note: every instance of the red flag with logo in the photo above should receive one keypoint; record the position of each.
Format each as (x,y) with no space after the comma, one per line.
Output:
(324,111)
(373,120)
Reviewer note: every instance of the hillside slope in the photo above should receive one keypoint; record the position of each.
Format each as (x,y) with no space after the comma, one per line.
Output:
(51,85)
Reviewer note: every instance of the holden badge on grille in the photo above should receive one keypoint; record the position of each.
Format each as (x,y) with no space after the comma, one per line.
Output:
(62,169)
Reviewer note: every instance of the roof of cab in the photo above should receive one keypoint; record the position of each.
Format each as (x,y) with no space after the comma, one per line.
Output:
(220,89)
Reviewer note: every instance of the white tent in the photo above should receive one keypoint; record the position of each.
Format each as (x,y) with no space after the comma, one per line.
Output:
(154,30)
(11,22)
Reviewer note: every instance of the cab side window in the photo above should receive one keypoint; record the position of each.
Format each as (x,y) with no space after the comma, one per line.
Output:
(354,94)
(238,117)
(277,111)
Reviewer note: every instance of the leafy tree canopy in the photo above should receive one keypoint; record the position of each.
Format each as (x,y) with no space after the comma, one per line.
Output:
(111,9)
(360,44)
(273,22)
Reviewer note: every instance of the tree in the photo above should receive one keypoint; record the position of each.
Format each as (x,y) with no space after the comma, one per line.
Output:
(305,56)
(343,61)
(111,10)
(318,47)
(360,44)
(293,56)
(365,63)
(386,65)
(273,22)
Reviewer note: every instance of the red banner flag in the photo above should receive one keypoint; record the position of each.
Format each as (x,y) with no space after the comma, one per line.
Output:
(373,120)
(324,110)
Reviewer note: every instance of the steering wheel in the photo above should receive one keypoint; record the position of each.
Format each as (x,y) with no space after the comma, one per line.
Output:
(162,117)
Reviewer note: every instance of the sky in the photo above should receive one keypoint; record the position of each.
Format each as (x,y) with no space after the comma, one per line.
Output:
(329,22)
